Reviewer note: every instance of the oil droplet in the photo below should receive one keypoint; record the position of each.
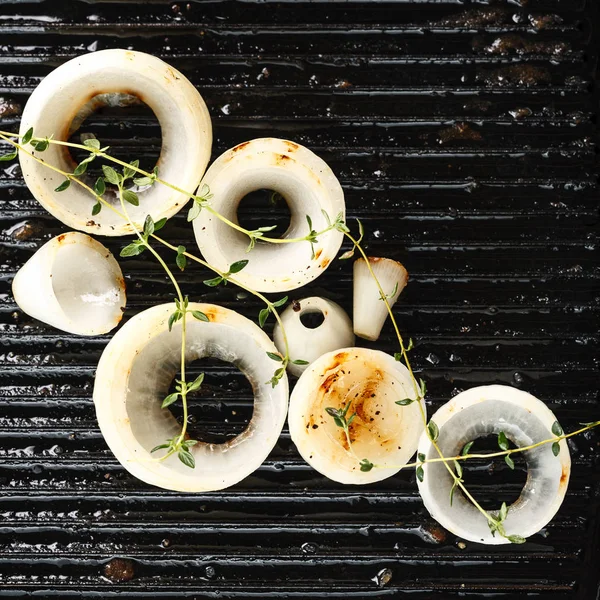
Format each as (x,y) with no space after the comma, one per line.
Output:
(210,572)
(309,548)
(383,577)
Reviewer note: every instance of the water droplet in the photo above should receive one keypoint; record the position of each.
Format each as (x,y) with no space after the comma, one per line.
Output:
(210,572)
(433,359)
(226,109)
(383,577)
(278,467)
(309,548)
(518,378)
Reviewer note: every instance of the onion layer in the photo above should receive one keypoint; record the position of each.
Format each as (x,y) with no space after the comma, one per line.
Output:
(307,343)
(370,311)
(309,187)
(74,284)
(382,431)
(483,411)
(65,96)
(134,375)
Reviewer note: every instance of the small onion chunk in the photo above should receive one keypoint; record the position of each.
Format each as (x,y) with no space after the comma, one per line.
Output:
(307,344)
(370,311)
(74,284)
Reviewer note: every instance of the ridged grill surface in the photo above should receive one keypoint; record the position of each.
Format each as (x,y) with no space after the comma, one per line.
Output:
(465,137)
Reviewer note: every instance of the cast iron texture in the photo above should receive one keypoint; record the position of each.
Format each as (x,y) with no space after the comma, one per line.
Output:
(465,136)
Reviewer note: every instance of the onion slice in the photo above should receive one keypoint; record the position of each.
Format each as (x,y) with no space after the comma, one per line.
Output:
(72,283)
(70,92)
(134,375)
(525,420)
(382,431)
(307,344)
(370,311)
(309,188)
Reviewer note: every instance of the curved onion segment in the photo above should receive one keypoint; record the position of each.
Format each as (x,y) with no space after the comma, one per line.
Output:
(306,343)
(72,283)
(525,420)
(72,91)
(134,375)
(309,187)
(370,311)
(382,431)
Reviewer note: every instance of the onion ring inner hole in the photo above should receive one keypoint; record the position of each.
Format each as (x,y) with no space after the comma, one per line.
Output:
(123,122)
(265,208)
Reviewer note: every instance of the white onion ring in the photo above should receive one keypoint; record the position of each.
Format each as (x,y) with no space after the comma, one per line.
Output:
(307,343)
(72,283)
(133,377)
(383,432)
(487,410)
(179,108)
(309,187)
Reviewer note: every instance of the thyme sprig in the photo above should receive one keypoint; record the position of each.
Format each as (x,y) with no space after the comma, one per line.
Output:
(178,443)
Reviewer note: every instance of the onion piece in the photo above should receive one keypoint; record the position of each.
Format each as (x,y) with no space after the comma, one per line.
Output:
(67,95)
(72,283)
(525,420)
(370,311)
(382,431)
(307,343)
(134,375)
(309,188)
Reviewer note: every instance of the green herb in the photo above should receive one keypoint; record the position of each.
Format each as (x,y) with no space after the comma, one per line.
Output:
(467,448)
(63,186)
(256,234)
(274,356)
(277,376)
(556,448)
(388,296)
(503,441)
(92,143)
(510,462)
(366,465)
(311,237)
(433,431)
(181,259)
(299,361)
(111,175)
(236,267)
(405,401)
(199,202)
(96,209)
(10,156)
(557,430)
(263,315)
(27,137)
(100,186)
(131,197)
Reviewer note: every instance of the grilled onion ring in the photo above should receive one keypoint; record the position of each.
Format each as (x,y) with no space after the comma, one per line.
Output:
(308,185)
(58,100)
(382,431)
(488,410)
(133,377)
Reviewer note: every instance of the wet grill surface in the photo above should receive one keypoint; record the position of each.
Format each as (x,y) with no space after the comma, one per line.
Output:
(465,136)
